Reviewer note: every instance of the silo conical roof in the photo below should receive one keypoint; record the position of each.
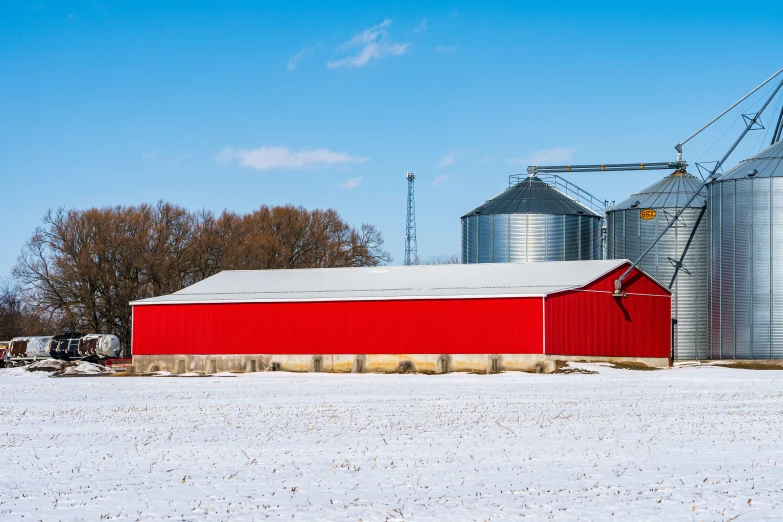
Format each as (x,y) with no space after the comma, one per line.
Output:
(532,196)
(673,191)
(768,163)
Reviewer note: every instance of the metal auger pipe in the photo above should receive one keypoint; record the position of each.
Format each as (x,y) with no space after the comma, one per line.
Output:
(618,284)
(678,147)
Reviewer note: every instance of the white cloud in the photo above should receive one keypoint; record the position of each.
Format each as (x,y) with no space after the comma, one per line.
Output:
(545,157)
(421,27)
(372,43)
(351,183)
(448,159)
(293,63)
(149,155)
(269,158)
(447,48)
(369,35)
(441,179)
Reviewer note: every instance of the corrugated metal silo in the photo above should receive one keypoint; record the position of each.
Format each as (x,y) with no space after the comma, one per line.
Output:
(745,215)
(531,221)
(634,224)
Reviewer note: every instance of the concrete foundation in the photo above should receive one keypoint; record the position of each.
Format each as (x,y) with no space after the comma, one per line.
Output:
(400,363)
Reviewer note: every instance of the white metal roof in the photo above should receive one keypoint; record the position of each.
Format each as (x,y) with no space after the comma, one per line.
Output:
(392,282)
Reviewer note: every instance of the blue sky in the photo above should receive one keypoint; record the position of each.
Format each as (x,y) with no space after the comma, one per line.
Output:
(327,104)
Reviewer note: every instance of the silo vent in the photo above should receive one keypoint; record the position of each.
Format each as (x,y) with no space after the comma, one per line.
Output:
(636,204)
(753,173)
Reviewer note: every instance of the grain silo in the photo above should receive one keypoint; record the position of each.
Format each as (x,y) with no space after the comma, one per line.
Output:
(531,221)
(745,217)
(634,224)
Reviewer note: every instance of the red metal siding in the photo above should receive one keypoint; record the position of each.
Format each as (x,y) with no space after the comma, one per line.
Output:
(591,322)
(636,282)
(426,326)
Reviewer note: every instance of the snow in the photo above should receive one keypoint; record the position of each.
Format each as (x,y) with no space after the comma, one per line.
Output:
(68,368)
(85,368)
(12,372)
(692,442)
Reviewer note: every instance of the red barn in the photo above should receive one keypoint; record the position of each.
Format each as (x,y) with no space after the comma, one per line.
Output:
(475,317)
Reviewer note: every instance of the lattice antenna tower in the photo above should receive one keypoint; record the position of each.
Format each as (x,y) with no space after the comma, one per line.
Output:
(411,255)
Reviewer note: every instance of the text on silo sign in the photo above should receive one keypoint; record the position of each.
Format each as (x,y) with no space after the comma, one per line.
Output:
(647,214)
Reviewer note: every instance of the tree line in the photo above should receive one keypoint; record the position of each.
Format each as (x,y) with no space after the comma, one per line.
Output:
(81,268)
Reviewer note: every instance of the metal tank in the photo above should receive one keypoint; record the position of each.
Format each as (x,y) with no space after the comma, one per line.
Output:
(33,347)
(100,345)
(531,221)
(745,217)
(635,223)
(65,346)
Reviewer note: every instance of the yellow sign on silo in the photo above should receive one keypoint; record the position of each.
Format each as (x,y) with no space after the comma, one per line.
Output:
(647,214)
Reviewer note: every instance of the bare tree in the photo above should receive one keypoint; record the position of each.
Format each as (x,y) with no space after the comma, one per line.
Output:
(16,318)
(453,259)
(82,268)
(10,311)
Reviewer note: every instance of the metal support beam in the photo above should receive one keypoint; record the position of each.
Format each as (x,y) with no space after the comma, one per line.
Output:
(778,129)
(678,266)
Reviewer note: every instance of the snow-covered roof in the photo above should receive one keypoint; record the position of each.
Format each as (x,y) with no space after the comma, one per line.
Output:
(392,282)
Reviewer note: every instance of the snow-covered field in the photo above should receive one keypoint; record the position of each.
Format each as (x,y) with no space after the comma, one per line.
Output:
(699,443)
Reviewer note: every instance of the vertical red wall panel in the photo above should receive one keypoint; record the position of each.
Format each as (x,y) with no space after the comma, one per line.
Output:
(455,326)
(592,322)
